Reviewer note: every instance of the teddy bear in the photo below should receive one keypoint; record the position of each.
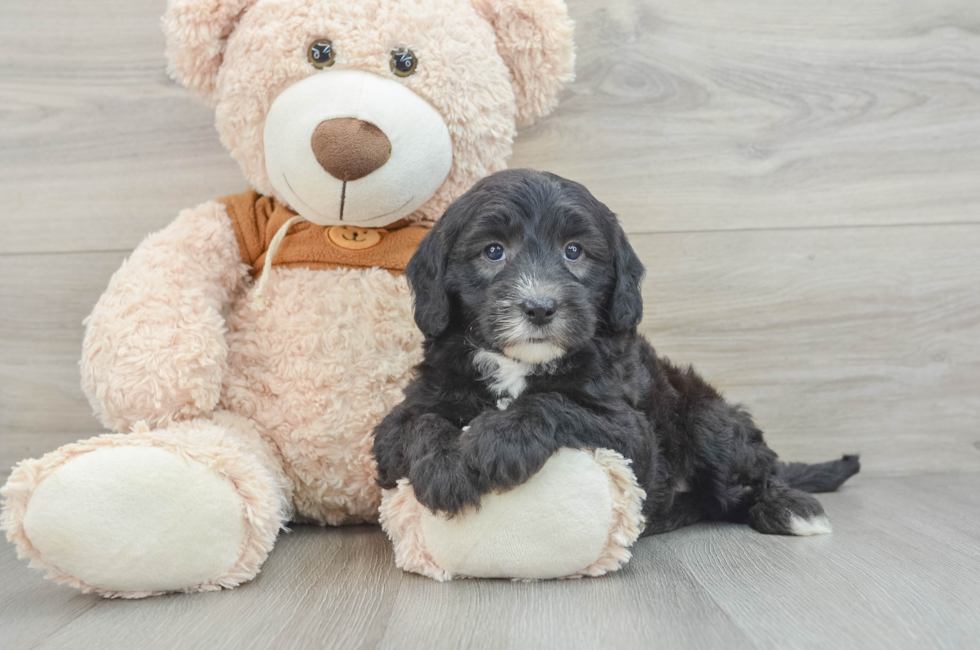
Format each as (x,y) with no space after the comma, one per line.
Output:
(243,355)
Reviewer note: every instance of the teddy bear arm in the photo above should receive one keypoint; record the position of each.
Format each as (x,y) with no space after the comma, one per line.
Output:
(154,347)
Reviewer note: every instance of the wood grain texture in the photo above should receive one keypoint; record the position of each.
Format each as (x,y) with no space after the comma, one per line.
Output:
(98,147)
(801,180)
(646,607)
(30,610)
(839,340)
(44,299)
(771,113)
(336,587)
(894,573)
(684,116)
(901,570)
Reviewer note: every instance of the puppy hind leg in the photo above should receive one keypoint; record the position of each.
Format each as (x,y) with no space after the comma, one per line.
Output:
(684,509)
(782,510)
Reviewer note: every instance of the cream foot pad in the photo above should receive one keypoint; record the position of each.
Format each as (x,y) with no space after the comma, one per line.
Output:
(132,515)
(578,516)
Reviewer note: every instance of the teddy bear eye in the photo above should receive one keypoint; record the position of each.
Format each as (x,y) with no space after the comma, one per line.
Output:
(321,54)
(403,62)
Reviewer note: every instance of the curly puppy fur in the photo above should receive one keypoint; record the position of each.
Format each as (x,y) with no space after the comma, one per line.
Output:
(534,347)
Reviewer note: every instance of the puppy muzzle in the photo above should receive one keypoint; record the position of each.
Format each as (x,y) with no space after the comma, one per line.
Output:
(535,319)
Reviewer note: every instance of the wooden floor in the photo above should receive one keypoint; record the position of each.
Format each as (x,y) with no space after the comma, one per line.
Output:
(802,180)
(900,571)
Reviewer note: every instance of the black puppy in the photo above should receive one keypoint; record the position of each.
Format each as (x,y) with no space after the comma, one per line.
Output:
(528,294)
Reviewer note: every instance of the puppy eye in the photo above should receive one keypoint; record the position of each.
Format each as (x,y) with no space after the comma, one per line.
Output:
(495,253)
(321,54)
(573,251)
(403,62)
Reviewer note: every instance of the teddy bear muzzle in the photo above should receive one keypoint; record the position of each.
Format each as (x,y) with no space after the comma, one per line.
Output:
(347,147)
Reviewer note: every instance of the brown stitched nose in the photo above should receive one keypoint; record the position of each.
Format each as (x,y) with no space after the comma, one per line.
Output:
(349,148)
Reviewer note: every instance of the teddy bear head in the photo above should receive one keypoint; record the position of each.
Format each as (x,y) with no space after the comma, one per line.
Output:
(365,112)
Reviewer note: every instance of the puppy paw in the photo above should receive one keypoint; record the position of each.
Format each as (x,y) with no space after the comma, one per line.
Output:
(782,510)
(444,483)
(500,461)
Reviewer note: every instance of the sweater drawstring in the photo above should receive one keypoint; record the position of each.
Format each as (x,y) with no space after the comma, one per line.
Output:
(258,298)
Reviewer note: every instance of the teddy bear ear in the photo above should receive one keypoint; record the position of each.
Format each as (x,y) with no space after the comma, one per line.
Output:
(534,37)
(196,32)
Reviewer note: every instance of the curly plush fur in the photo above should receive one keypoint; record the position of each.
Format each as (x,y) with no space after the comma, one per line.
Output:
(486,66)
(529,294)
(275,404)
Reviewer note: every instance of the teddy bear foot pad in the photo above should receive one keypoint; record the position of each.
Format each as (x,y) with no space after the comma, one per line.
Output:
(133,520)
(577,516)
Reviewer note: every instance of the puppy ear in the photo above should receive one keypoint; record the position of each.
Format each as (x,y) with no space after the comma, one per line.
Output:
(534,37)
(626,306)
(426,273)
(196,32)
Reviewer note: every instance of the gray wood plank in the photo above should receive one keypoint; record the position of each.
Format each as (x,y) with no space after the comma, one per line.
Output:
(32,609)
(838,340)
(44,299)
(901,570)
(841,340)
(773,115)
(787,119)
(16,445)
(877,582)
(96,154)
(331,588)
(646,605)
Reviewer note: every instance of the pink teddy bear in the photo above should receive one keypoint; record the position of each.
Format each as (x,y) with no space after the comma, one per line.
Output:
(249,349)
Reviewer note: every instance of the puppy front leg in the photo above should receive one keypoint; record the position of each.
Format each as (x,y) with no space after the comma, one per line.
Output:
(506,448)
(425,449)
(441,478)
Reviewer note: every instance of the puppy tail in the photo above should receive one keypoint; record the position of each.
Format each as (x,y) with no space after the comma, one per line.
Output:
(819,477)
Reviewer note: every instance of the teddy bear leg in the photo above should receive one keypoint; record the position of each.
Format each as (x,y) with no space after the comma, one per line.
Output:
(193,507)
(577,516)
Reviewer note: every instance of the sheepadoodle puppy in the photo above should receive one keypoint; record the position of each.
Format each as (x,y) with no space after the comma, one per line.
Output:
(528,294)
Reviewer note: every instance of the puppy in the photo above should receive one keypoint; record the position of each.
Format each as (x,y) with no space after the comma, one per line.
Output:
(528,294)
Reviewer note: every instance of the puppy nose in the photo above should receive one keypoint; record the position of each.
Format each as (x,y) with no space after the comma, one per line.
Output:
(349,148)
(539,311)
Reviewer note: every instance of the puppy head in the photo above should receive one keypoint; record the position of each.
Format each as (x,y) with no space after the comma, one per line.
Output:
(529,264)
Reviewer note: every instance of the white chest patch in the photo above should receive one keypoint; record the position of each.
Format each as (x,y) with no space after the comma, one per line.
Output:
(506,377)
